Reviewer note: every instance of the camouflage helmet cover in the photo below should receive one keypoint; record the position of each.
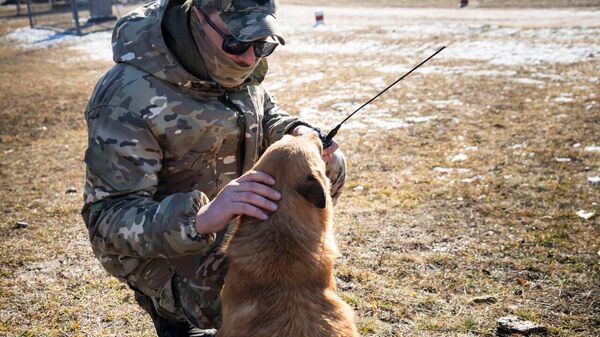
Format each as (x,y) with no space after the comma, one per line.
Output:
(248,20)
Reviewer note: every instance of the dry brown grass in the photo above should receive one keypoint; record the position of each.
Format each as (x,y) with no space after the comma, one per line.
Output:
(416,245)
(418,248)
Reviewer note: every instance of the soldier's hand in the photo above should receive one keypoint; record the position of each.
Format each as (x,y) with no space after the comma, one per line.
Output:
(249,194)
(328,152)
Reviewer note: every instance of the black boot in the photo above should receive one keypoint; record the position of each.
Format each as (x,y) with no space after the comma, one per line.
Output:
(169,328)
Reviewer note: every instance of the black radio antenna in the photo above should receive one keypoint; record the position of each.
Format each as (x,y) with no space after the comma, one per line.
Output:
(326,139)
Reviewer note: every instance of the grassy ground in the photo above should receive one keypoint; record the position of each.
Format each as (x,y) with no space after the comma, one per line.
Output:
(418,243)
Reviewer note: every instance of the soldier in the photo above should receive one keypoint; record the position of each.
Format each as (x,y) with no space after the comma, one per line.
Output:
(173,129)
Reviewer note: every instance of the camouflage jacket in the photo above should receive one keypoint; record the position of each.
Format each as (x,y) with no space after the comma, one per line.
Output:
(162,143)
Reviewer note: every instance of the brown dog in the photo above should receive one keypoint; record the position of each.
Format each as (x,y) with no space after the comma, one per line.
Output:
(280,280)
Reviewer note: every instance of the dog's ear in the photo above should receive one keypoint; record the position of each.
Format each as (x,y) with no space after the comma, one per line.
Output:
(312,190)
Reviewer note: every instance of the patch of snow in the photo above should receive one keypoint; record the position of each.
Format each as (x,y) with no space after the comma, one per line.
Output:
(592,148)
(275,85)
(502,32)
(34,38)
(393,69)
(388,124)
(359,188)
(460,157)
(563,99)
(420,119)
(551,77)
(492,73)
(576,145)
(310,62)
(307,79)
(528,81)
(314,46)
(594,180)
(445,103)
(444,170)
(307,112)
(464,70)
(95,46)
(355,125)
(472,179)
(519,52)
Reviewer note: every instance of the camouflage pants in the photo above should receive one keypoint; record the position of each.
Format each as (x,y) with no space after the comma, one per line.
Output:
(192,294)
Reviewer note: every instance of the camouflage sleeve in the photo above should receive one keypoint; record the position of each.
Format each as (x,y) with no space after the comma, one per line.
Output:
(277,122)
(123,159)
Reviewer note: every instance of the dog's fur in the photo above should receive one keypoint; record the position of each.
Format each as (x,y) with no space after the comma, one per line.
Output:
(280,279)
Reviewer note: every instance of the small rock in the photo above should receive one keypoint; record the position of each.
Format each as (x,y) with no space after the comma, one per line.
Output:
(71,190)
(359,188)
(484,299)
(594,180)
(522,281)
(514,325)
(442,170)
(22,224)
(460,157)
(585,215)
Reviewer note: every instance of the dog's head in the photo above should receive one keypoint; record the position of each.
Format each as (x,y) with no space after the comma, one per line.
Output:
(297,167)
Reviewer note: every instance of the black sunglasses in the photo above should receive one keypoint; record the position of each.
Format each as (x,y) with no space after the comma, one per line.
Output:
(234,46)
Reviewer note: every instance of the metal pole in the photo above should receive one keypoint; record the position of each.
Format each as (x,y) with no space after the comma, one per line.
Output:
(29,13)
(75,15)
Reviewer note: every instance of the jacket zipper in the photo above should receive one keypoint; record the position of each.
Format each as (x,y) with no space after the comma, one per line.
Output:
(241,122)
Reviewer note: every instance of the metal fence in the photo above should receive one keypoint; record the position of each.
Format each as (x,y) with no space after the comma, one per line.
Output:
(68,16)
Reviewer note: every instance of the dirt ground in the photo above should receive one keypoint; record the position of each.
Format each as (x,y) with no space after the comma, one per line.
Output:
(464,181)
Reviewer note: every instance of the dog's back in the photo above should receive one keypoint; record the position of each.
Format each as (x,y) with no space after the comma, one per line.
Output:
(280,275)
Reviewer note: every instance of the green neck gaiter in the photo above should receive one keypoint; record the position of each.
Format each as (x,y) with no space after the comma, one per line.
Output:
(219,66)
(179,40)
